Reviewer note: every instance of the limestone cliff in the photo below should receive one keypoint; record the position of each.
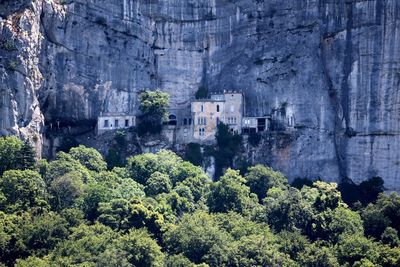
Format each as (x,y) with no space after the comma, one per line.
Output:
(334,63)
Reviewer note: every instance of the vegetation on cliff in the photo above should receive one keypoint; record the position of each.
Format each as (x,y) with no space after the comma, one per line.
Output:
(160,210)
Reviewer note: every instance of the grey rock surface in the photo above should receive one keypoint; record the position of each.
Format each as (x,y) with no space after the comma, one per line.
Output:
(335,63)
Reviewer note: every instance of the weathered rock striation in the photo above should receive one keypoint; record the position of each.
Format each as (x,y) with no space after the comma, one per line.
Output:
(334,63)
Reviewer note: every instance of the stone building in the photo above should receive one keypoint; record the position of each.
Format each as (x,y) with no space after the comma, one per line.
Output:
(113,121)
(207,113)
(255,124)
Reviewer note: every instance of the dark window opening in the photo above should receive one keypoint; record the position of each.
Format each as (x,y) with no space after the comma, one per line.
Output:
(261,124)
(105,123)
(172,120)
(184,121)
(217,108)
(126,123)
(116,123)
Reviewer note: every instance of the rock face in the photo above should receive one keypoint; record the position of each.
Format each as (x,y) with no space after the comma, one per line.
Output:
(333,63)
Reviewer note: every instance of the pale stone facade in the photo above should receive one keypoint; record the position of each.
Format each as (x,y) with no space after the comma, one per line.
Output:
(109,121)
(207,113)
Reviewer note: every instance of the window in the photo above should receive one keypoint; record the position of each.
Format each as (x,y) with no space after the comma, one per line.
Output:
(217,120)
(126,123)
(201,131)
(105,123)
(201,108)
(217,108)
(133,121)
(116,123)
(190,121)
(202,121)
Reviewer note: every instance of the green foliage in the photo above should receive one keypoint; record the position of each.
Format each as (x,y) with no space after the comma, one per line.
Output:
(116,153)
(197,236)
(64,164)
(154,108)
(228,145)
(22,191)
(88,157)
(254,139)
(193,154)
(140,249)
(356,248)
(160,210)
(26,156)
(391,237)
(13,65)
(67,190)
(230,194)
(260,179)
(8,45)
(201,93)
(385,212)
(158,183)
(10,148)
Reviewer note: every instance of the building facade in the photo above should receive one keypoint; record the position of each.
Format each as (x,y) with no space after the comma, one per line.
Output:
(114,121)
(207,113)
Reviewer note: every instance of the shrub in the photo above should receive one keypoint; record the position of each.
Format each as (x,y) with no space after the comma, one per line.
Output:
(254,139)
(193,154)
(153,105)
(201,93)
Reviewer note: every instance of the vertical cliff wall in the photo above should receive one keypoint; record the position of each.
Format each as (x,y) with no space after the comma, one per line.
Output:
(332,63)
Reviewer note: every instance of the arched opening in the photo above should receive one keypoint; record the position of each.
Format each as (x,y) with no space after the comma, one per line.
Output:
(172,120)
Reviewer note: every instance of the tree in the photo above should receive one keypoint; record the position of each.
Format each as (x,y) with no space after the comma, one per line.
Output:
(260,179)
(67,190)
(391,237)
(10,148)
(258,250)
(64,164)
(43,232)
(318,255)
(88,157)
(32,261)
(354,248)
(228,145)
(201,93)
(23,190)
(287,209)
(158,183)
(193,154)
(254,139)
(196,236)
(154,108)
(229,194)
(385,212)
(11,245)
(140,249)
(26,156)
(123,215)
(84,246)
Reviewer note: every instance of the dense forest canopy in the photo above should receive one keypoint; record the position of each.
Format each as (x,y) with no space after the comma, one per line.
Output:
(160,210)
